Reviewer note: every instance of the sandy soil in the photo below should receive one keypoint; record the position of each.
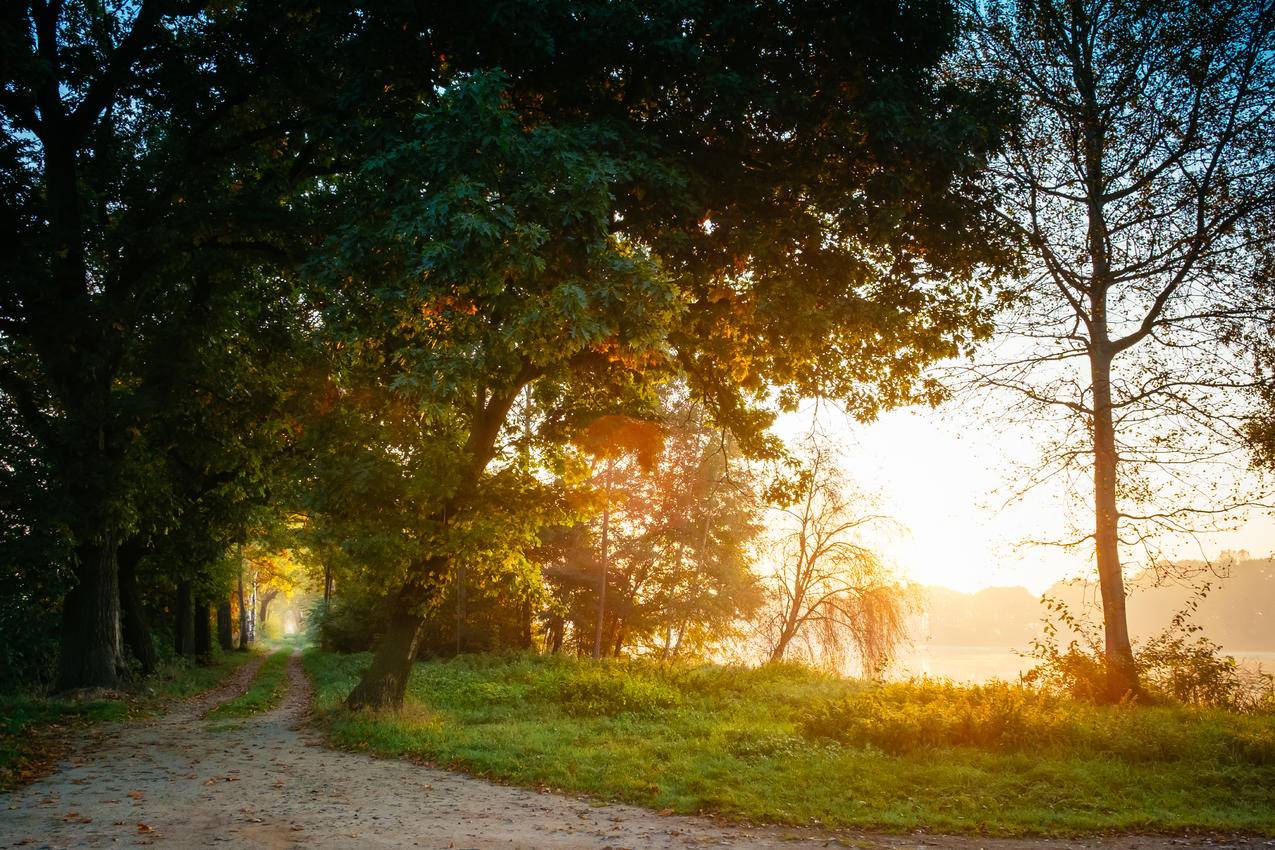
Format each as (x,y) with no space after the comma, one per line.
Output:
(182,782)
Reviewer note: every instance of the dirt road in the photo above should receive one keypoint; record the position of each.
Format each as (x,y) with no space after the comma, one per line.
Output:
(183,782)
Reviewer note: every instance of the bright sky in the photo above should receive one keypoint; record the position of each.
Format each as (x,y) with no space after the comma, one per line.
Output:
(943,475)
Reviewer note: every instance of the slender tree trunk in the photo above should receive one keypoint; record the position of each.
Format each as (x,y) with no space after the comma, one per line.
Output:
(92,642)
(557,629)
(327,583)
(184,626)
(385,682)
(137,632)
(1122,673)
(681,632)
(252,611)
(618,644)
(203,631)
(460,605)
(527,638)
(225,627)
(602,580)
(792,619)
(244,637)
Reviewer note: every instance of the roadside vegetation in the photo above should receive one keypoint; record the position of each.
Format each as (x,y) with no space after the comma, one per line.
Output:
(34,727)
(790,745)
(265,692)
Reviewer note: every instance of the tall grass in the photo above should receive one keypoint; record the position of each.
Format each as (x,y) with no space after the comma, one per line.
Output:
(789,745)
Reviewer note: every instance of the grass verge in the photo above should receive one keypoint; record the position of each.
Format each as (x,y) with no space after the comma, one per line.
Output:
(34,729)
(754,745)
(265,692)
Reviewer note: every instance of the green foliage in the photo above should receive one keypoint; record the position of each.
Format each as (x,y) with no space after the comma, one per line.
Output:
(348,623)
(733,744)
(1177,665)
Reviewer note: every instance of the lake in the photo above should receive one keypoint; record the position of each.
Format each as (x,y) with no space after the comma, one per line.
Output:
(983,663)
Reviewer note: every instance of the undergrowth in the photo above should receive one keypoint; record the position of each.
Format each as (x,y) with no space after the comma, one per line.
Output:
(788,745)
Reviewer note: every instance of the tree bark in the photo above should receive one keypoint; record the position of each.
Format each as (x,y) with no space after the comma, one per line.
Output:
(225,627)
(244,637)
(184,625)
(1122,672)
(203,631)
(92,641)
(266,599)
(385,682)
(602,581)
(618,644)
(527,638)
(557,628)
(137,632)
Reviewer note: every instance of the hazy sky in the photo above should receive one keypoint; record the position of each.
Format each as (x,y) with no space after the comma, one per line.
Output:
(943,474)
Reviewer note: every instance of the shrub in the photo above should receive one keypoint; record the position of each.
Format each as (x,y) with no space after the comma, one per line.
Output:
(1178,665)
(904,718)
(602,692)
(349,623)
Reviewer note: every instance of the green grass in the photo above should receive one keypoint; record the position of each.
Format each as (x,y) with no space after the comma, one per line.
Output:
(33,729)
(265,692)
(755,745)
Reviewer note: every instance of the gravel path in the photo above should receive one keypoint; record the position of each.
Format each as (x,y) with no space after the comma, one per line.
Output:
(183,782)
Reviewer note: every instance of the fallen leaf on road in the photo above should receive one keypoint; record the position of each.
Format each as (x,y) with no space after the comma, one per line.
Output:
(145,827)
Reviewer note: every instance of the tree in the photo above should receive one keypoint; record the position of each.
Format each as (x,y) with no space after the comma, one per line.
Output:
(829,593)
(681,523)
(1142,179)
(779,197)
(152,159)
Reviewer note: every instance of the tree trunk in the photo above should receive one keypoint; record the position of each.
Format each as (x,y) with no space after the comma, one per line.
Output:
(781,645)
(602,581)
(385,682)
(619,639)
(266,599)
(557,628)
(244,637)
(460,605)
(1122,672)
(327,583)
(184,626)
(252,611)
(528,640)
(203,631)
(225,627)
(92,646)
(137,632)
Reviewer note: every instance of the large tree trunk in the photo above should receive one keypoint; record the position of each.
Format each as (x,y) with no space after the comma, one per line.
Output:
(1122,672)
(184,624)
(137,632)
(385,682)
(92,646)
(225,627)
(266,599)
(203,631)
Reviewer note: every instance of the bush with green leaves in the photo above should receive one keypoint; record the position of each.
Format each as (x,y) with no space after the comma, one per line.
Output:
(1178,665)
